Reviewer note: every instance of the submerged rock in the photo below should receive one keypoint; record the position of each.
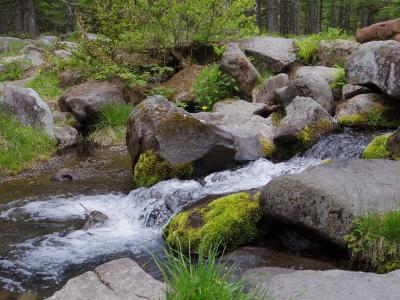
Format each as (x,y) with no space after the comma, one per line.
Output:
(116,280)
(65,175)
(282,284)
(235,63)
(326,198)
(93,219)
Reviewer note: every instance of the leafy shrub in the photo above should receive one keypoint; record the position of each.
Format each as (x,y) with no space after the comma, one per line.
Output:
(21,146)
(205,277)
(46,83)
(377,149)
(340,80)
(13,70)
(211,85)
(375,241)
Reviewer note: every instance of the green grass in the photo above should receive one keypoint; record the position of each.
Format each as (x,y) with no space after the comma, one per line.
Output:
(12,71)
(14,48)
(47,84)
(378,148)
(202,278)
(21,146)
(375,241)
(111,126)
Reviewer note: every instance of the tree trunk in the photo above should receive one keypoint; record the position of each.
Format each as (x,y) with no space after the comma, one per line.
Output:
(314,16)
(332,14)
(272,15)
(19,21)
(31,18)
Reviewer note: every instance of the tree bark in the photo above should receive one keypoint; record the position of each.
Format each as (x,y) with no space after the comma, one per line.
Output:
(272,15)
(314,16)
(31,18)
(19,21)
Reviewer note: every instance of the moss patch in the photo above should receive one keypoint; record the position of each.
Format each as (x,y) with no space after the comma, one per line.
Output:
(375,241)
(230,221)
(377,149)
(376,118)
(311,133)
(151,169)
(268,147)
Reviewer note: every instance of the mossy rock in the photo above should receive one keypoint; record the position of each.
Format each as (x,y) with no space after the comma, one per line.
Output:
(151,169)
(377,149)
(230,222)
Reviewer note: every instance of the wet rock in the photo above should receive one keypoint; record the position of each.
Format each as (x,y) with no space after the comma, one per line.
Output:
(235,63)
(368,111)
(374,64)
(313,86)
(270,53)
(351,90)
(382,31)
(65,175)
(94,219)
(282,284)
(115,280)
(326,198)
(253,134)
(331,53)
(28,107)
(305,122)
(66,136)
(70,78)
(265,93)
(85,101)
(177,137)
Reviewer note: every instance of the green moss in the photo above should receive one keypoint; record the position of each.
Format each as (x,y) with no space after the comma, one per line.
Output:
(268,147)
(377,149)
(151,169)
(230,221)
(375,118)
(276,118)
(312,132)
(375,241)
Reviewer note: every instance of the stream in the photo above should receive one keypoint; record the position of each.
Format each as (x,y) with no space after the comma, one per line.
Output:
(42,245)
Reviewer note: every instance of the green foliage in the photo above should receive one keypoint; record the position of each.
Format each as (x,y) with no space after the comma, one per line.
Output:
(162,91)
(377,149)
(375,241)
(230,221)
(151,169)
(205,277)
(46,83)
(211,85)
(21,146)
(340,80)
(268,147)
(375,118)
(13,70)
(111,126)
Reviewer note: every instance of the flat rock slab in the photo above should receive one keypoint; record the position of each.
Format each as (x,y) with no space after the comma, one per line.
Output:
(326,198)
(283,284)
(120,279)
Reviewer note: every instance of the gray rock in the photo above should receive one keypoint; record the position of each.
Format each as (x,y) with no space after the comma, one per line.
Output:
(265,93)
(327,198)
(313,86)
(65,175)
(178,137)
(68,45)
(91,36)
(270,53)
(66,136)
(283,284)
(253,135)
(85,101)
(34,55)
(329,74)
(305,122)
(28,107)
(116,280)
(94,219)
(70,78)
(334,52)
(375,63)
(351,90)
(394,145)
(23,59)
(47,40)
(235,63)
(360,104)
(62,53)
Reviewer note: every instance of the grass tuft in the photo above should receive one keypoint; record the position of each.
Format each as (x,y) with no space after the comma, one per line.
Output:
(47,84)
(340,80)
(21,146)
(378,148)
(13,70)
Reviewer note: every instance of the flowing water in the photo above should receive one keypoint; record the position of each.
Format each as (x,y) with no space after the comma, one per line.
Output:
(42,245)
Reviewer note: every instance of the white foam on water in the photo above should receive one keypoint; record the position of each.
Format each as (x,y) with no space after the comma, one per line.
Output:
(134,220)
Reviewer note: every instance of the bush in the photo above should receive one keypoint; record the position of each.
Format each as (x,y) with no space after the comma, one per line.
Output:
(21,146)
(230,221)
(46,83)
(151,169)
(375,241)
(202,278)
(377,149)
(13,70)
(111,126)
(211,85)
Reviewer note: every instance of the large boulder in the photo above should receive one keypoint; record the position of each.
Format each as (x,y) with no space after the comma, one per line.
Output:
(177,137)
(253,134)
(283,284)
(328,73)
(115,280)
(388,30)
(265,93)
(270,53)
(235,63)
(368,111)
(327,198)
(313,86)
(28,107)
(376,64)
(331,53)
(305,122)
(86,100)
